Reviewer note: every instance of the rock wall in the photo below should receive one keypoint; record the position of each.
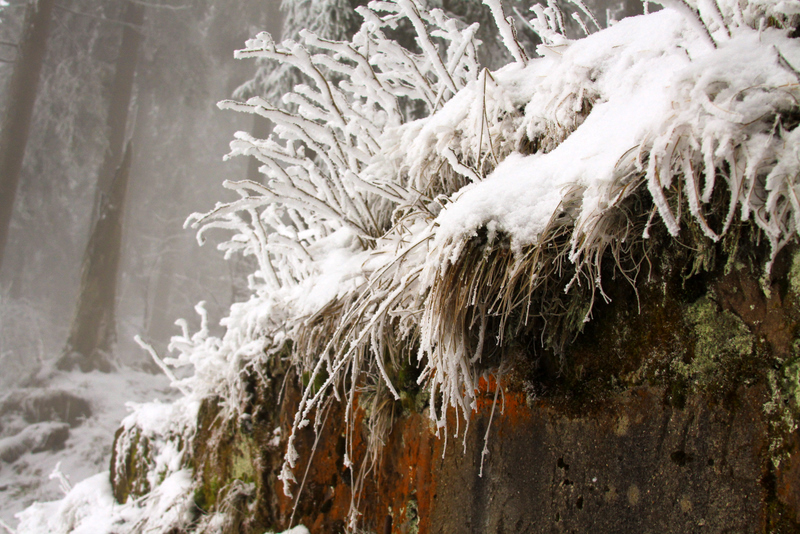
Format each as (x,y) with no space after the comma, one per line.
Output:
(673,411)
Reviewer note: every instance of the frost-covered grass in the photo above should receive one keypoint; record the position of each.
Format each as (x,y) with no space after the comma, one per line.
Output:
(690,109)
(414,211)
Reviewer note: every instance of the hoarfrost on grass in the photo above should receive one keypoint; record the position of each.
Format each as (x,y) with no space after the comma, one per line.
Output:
(653,98)
(663,101)
(376,186)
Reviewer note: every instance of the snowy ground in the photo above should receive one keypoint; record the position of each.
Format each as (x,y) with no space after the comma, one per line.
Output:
(87,448)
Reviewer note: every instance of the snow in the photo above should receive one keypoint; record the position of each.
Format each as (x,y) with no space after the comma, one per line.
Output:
(164,426)
(87,448)
(90,508)
(634,62)
(33,438)
(341,270)
(367,201)
(85,509)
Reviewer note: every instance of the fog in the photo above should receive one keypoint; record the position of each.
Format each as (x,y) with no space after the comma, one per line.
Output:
(178,139)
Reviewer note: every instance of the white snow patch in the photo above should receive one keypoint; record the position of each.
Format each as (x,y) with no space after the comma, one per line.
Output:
(87,450)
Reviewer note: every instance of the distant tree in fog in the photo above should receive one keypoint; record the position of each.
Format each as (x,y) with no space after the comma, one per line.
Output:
(16,118)
(51,209)
(336,20)
(94,325)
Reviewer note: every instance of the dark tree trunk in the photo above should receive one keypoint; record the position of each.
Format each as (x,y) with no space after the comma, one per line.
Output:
(121,93)
(22,91)
(94,326)
(93,329)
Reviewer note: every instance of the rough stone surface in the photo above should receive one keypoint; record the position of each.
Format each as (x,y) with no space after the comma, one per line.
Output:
(636,465)
(128,474)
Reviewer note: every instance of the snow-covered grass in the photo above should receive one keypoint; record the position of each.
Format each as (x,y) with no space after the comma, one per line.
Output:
(415,208)
(688,109)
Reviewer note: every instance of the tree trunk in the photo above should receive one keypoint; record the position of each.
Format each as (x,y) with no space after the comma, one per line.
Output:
(19,107)
(93,329)
(121,93)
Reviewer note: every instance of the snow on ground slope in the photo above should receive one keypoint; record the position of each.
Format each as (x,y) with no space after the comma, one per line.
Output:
(68,419)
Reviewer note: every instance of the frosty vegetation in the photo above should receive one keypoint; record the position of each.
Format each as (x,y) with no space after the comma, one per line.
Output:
(424,209)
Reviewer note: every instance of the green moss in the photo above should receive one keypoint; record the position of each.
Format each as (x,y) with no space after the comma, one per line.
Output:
(132,481)
(219,476)
(791,374)
(783,408)
(794,274)
(205,495)
(411,516)
(413,397)
(242,467)
(722,342)
(718,332)
(319,379)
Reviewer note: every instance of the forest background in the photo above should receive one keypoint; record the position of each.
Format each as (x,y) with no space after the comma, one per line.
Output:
(183,67)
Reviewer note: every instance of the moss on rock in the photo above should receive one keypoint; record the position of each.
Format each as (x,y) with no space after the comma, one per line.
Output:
(722,340)
(130,462)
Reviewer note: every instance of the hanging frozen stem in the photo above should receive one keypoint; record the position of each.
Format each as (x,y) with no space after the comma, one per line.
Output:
(485,450)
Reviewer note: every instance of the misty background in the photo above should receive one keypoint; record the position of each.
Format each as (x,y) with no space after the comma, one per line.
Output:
(178,56)
(178,139)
